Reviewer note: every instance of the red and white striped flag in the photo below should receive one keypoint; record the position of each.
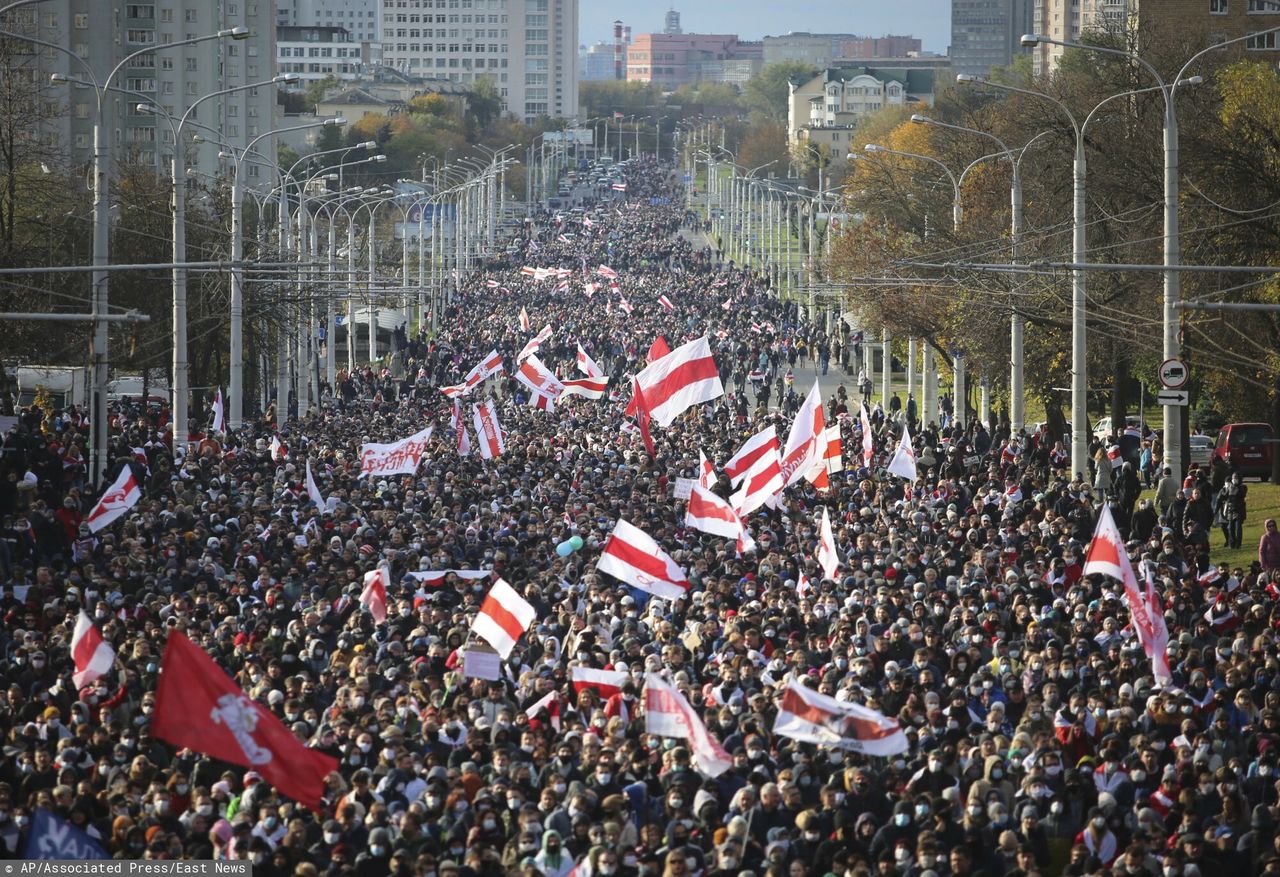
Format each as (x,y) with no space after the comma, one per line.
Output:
(666,302)
(868,447)
(277,449)
(119,498)
(643,416)
(488,430)
(706,472)
(685,377)
(434,578)
(606,682)
(549,702)
(374,595)
(588,388)
(537,377)
(632,556)
(219,413)
(728,303)
(619,187)
(832,462)
(564,239)
(562,285)
(503,618)
(625,305)
(590,289)
(711,514)
(811,717)
(492,284)
(534,343)
(803,587)
(586,221)
(606,272)
(903,463)
(658,349)
(460,429)
(756,446)
(760,484)
(828,559)
(587,365)
(313,489)
(529,271)
(668,714)
(482,371)
(802,457)
(542,401)
(92,654)
(524,320)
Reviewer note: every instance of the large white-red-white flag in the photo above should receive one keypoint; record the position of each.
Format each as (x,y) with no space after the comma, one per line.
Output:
(761,483)
(92,655)
(587,365)
(811,717)
(763,442)
(828,559)
(903,463)
(488,430)
(832,461)
(606,682)
(537,377)
(588,388)
(534,343)
(119,498)
(503,618)
(709,513)
(484,369)
(802,457)
(374,595)
(684,377)
(396,458)
(632,556)
(667,713)
(1107,556)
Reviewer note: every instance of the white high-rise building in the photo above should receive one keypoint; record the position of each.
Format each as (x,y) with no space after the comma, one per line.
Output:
(102,35)
(526,48)
(359,17)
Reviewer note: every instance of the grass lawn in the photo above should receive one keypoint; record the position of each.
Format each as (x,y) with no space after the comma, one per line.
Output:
(1262,502)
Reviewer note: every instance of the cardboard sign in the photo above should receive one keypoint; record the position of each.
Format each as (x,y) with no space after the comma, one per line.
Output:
(684,487)
(481,662)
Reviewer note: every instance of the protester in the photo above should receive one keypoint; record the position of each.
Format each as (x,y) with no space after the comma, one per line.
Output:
(1034,736)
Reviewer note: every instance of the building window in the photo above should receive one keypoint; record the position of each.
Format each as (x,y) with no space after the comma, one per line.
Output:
(82,22)
(192,65)
(190,16)
(1261,42)
(1264,6)
(140,37)
(1217,7)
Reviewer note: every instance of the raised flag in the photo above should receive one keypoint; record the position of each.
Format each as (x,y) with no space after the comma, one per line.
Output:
(642,416)
(92,655)
(119,498)
(588,388)
(832,462)
(666,302)
(52,838)
(198,707)
(868,440)
(1107,556)
(313,490)
(488,430)
(486,368)
(619,187)
(803,587)
(492,284)
(828,559)
(668,714)
(459,425)
(434,578)
(903,463)
(632,556)
(606,682)
(537,377)
(394,458)
(503,618)
(374,595)
(685,377)
(525,325)
(549,702)
(761,483)
(219,413)
(606,272)
(625,305)
(761,443)
(802,456)
(586,221)
(542,401)
(811,717)
(657,350)
(706,472)
(709,513)
(277,449)
(534,343)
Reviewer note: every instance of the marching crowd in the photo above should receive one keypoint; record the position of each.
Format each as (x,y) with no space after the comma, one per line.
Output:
(1038,741)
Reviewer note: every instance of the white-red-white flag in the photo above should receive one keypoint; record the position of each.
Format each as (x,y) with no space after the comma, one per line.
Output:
(1107,556)
(761,483)
(588,388)
(607,272)
(709,513)
(534,343)
(811,717)
(459,424)
(374,595)
(549,702)
(606,682)
(685,377)
(763,442)
(587,365)
(486,368)
(277,448)
(868,446)
(537,377)
(903,463)
(658,349)
(525,325)
(803,587)
(219,413)
(632,556)
(542,401)
(706,472)
(626,306)
(503,618)
(802,457)
(119,498)
(488,430)
(92,655)
(828,559)
(313,489)
(668,713)
(666,302)
(832,461)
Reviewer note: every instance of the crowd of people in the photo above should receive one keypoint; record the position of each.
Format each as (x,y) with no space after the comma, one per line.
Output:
(1039,741)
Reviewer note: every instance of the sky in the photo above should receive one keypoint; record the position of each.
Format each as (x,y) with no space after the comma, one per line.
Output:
(930,20)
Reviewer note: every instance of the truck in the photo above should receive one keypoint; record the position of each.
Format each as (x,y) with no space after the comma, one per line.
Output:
(67,385)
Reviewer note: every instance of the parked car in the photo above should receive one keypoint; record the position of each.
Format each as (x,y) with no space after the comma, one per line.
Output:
(1102,429)
(1201,451)
(1248,447)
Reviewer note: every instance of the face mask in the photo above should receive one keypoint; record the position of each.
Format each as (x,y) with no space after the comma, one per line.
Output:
(205,810)
(1099,822)
(332,837)
(1053,769)
(259,858)
(676,803)
(997,773)
(902,820)
(1055,808)
(377,851)
(270,822)
(974,810)
(604,777)
(934,766)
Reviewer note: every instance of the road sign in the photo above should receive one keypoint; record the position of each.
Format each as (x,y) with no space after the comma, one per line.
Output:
(1174,374)
(1173,397)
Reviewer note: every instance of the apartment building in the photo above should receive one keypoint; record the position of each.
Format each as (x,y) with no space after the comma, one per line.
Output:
(675,59)
(360,18)
(316,52)
(100,36)
(527,48)
(826,108)
(985,34)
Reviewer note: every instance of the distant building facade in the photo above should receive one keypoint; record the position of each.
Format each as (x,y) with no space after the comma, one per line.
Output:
(986,34)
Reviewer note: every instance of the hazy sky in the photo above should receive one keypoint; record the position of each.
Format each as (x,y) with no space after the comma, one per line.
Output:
(930,20)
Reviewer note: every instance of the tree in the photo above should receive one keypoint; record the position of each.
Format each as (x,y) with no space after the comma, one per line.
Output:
(764,144)
(484,103)
(768,91)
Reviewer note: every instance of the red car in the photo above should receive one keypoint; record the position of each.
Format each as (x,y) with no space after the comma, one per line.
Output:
(1247,447)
